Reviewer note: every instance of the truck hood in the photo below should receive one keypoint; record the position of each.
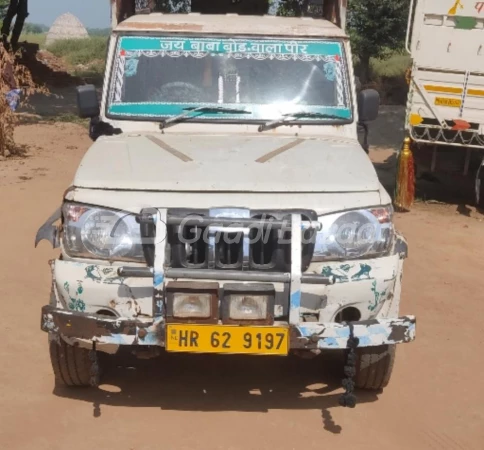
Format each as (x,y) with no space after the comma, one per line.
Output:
(197,163)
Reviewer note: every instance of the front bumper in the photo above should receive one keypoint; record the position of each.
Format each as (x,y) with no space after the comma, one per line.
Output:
(116,305)
(151,332)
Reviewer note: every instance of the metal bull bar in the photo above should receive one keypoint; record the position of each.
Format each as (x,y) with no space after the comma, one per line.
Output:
(240,222)
(153,223)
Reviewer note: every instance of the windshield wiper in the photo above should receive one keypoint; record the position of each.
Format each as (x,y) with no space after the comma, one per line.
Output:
(188,114)
(290,117)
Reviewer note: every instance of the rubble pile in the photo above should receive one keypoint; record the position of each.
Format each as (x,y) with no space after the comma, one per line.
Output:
(46,69)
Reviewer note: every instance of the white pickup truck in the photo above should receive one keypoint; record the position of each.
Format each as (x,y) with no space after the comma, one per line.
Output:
(226,205)
(445,111)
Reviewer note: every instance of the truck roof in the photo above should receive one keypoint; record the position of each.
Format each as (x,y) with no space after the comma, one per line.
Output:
(231,24)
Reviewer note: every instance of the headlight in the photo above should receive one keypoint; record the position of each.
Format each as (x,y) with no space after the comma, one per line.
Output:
(99,233)
(355,234)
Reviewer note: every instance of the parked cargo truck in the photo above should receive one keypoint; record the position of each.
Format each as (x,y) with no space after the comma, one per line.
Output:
(445,109)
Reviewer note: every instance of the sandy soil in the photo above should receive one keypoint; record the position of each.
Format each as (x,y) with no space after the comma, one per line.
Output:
(435,399)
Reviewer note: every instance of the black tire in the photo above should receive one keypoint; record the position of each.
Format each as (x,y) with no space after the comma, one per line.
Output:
(72,366)
(374,366)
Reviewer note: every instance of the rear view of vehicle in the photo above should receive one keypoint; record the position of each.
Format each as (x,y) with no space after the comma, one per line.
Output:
(445,110)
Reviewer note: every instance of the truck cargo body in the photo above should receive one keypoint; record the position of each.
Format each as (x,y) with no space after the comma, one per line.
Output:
(446,98)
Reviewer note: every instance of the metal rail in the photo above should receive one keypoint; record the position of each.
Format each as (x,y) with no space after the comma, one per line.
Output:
(224,275)
(200,221)
(409,25)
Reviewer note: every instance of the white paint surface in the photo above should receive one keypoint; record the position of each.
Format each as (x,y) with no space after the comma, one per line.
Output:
(228,164)
(232,23)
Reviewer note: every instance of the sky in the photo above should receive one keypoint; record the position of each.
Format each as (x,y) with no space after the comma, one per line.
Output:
(92,13)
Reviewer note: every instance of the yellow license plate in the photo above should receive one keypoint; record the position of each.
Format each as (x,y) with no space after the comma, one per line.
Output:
(227,339)
(450,102)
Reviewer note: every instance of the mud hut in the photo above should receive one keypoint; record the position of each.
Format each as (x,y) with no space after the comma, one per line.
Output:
(66,26)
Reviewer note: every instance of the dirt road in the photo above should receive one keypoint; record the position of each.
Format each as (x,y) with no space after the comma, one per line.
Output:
(435,399)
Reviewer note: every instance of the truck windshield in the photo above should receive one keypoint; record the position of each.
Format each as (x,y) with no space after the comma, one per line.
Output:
(161,77)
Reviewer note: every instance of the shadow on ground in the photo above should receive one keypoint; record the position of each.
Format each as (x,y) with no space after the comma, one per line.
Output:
(451,189)
(386,169)
(387,131)
(221,383)
(61,102)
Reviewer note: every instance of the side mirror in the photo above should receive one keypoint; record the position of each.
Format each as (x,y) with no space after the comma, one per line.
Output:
(87,101)
(368,105)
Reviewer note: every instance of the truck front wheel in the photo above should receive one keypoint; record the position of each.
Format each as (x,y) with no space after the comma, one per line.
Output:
(374,366)
(72,365)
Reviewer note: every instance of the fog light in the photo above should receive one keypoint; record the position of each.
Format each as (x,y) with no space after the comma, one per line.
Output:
(248,307)
(192,302)
(248,302)
(192,305)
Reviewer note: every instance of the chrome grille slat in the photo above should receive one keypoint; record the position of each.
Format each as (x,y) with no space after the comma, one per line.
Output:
(268,253)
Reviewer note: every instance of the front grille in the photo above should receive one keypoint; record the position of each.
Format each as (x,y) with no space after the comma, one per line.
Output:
(254,249)
(187,245)
(229,250)
(264,252)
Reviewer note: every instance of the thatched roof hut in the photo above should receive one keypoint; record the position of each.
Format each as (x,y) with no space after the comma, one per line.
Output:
(66,26)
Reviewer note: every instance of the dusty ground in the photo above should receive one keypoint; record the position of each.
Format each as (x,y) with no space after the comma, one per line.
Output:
(435,399)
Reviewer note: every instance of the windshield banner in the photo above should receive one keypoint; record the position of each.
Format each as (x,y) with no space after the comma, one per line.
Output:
(159,44)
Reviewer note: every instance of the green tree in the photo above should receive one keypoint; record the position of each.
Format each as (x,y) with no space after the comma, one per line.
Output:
(3,8)
(173,6)
(377,28)
(35,28)
(213,6)
(279,7)
(290,8)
